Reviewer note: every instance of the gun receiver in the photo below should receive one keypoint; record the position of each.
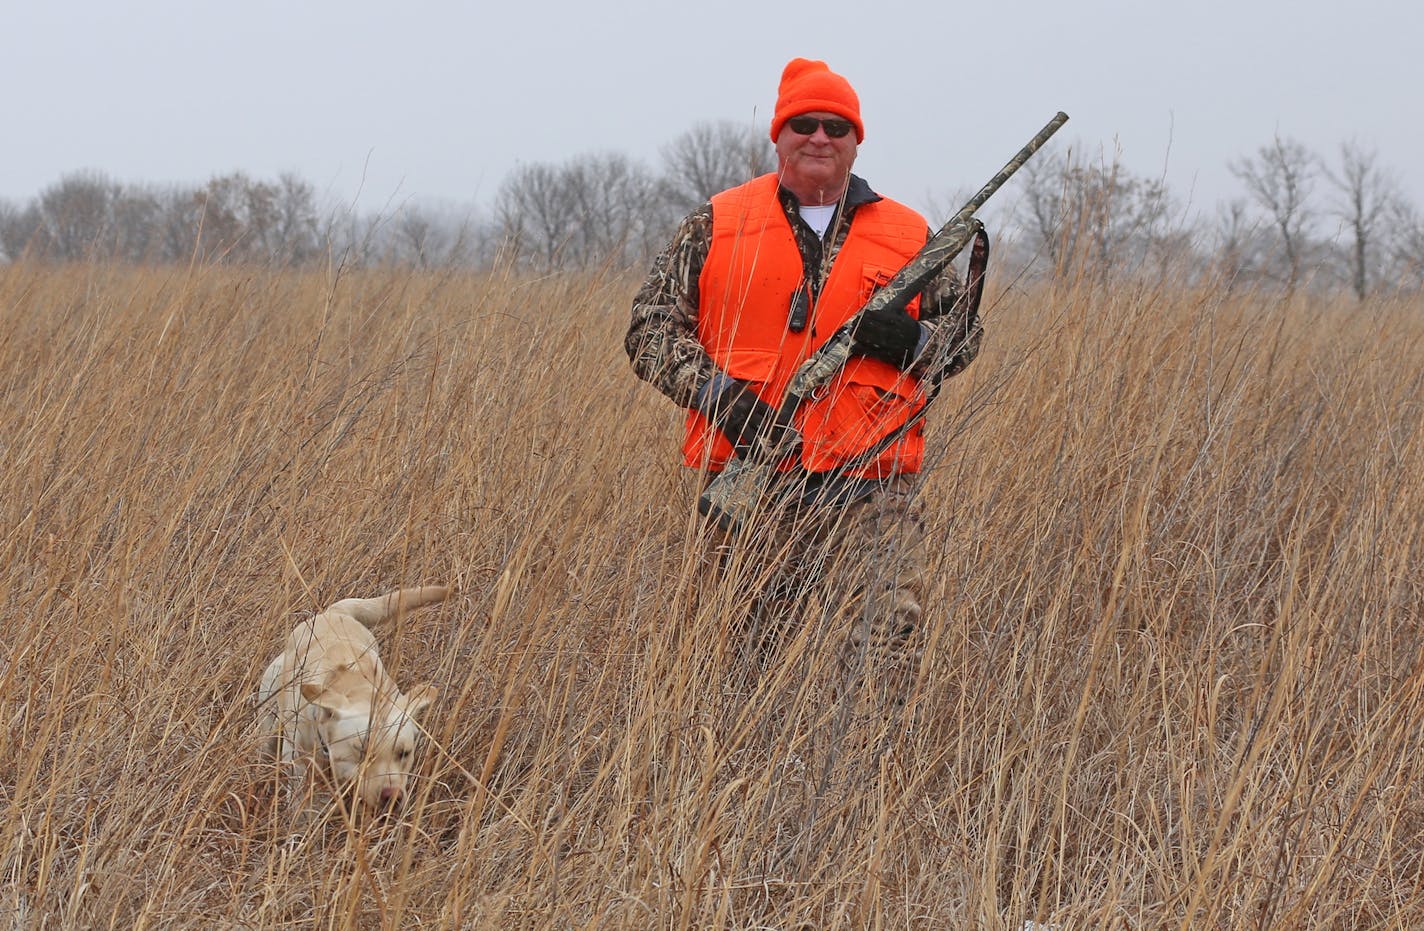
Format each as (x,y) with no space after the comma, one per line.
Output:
(734,494)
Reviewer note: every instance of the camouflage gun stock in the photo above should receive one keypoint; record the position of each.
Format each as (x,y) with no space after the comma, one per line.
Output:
(734,494)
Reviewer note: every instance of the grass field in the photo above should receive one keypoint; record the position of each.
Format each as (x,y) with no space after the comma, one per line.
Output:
(1174,676)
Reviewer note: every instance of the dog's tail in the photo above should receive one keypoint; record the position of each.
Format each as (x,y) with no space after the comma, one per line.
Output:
(372,611)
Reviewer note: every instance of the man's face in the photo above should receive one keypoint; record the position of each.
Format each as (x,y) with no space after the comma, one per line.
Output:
(815,166)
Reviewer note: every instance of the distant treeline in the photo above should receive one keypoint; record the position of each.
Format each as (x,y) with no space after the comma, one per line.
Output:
(1301,221)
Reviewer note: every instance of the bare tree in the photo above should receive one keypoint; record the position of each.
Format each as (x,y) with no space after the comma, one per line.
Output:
(1238,247)
(617,202)
(355,239)
(417,237)
(295,236)
(533,215)
(1280,177)
(1039,210)
(179,219)
(224,232)
(590,210)
(19,226)
(1365,192)
(8,214)
(245,220)
(137,224)
(1406,254)
(76,215)
(712,157)
(86,215)
(1101,215)
(425,236)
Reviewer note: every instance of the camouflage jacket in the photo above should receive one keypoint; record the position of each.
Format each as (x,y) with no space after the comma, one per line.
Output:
(662,337)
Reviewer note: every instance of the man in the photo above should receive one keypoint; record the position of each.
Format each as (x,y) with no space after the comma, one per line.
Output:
(750,285)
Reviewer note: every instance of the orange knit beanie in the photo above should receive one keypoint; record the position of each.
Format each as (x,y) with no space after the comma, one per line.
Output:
(808,85)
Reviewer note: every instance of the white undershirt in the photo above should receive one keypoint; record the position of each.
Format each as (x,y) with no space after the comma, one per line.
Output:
(818,218)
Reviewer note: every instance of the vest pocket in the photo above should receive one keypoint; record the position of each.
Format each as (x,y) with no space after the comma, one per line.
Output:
(874,276)
(757,366)
(867,402)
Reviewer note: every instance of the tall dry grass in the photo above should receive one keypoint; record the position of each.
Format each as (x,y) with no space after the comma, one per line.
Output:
(1174,671)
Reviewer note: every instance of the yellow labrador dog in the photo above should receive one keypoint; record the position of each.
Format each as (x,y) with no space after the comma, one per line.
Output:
(328,698)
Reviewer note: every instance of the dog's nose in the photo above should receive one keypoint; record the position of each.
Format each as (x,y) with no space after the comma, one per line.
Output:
(390,795)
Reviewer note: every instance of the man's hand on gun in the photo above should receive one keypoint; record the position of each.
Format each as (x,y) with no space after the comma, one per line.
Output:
(747,421)
(888,334)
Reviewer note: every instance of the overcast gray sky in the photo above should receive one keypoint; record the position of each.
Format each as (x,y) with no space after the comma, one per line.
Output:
(439,100)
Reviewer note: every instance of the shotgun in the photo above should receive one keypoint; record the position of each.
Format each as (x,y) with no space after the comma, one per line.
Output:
(732,497)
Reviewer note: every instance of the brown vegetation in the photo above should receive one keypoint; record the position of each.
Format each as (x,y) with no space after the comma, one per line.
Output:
(1175,676)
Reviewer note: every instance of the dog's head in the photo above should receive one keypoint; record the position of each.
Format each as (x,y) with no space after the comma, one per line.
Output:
(370,744)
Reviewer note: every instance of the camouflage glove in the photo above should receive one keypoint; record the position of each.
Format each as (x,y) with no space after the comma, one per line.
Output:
(891,336)
(746,420)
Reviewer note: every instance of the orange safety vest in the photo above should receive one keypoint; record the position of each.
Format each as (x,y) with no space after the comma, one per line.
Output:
(753,268)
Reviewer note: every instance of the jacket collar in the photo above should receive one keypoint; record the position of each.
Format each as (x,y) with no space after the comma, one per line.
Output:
(857,194)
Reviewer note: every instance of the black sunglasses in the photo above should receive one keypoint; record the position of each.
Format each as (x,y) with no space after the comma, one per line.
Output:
(806,126)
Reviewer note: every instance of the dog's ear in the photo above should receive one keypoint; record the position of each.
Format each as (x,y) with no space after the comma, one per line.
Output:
(419,698)
(323,698)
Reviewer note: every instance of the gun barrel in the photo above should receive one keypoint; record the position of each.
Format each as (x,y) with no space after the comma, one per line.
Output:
(1013,165)
(945,244)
